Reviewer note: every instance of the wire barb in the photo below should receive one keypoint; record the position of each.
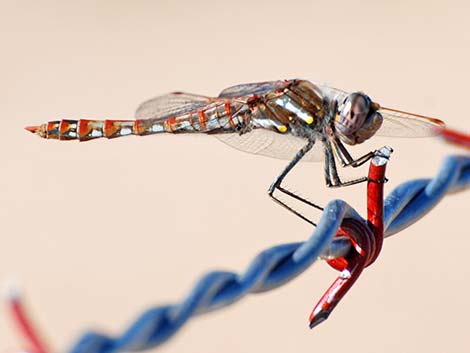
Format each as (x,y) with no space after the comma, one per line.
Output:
(366,237)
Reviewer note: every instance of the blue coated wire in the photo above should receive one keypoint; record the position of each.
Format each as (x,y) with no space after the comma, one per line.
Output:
(275,266)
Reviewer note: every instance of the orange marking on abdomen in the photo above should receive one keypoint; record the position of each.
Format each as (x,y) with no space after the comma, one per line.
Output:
(90,129)
(202,119)
(137,127)
(68,129)
(109,128)
(169,124)
(228,112)
(64,126)
(113,128)
(52,129)
(84,128)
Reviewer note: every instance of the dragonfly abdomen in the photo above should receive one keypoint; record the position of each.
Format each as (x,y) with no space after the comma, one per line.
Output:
(221,118)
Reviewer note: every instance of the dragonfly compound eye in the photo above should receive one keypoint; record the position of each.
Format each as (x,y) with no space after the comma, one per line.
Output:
(370,127)
(355,122)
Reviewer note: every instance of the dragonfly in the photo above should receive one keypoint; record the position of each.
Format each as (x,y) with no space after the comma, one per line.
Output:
(295,120)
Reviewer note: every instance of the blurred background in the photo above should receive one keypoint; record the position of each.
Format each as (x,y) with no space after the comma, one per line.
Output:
(94,233)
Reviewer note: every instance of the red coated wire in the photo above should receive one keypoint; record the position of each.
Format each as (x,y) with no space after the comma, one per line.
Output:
(363,241)
(375,203)
(456,138)
(367,243)
(25,326)
(367,240)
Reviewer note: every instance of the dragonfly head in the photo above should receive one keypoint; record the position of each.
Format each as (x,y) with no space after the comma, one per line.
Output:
(357,119)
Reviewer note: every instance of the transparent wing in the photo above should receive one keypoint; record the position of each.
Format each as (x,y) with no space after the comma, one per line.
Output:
(172,104)
(402,124)
(398,123)
(272,144)
(247,89)
(334,93)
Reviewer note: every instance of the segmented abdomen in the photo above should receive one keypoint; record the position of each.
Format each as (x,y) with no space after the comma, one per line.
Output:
(85,130)
(220,118)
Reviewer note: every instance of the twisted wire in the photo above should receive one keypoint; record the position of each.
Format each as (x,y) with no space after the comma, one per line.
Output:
(277,265)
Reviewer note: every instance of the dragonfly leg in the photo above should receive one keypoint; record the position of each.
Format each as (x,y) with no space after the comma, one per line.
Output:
(332,178)
(276,185)
(346,159)
(330,166)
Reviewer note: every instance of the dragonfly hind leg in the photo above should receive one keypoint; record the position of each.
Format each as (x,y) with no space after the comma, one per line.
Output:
(276,185)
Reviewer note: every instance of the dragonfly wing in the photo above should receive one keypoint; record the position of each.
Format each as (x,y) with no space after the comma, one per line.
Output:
(272,144)
(333,93)
(251,88)
(397,123)
(172,104)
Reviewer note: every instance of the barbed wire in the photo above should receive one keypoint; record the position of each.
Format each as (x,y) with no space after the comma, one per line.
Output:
(278,265)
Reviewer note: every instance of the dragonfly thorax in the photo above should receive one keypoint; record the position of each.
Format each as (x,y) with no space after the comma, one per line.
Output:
(357,119)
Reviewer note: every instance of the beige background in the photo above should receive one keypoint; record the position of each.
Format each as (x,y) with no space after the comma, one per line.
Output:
(97,232)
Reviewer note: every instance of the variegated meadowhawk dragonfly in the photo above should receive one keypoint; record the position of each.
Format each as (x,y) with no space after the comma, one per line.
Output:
(291,119)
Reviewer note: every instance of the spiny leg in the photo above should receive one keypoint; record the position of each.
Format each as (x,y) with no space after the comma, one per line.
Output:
(297,197)
(332,178)
(346,159)
(286,206)
(276,185)
(330,166)
(331,170)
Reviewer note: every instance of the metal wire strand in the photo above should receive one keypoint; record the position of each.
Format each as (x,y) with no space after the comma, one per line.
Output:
(278,265)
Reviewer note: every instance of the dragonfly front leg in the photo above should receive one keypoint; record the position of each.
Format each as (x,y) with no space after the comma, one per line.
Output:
(332,178)
(346,159)
(331,171)
(276,185)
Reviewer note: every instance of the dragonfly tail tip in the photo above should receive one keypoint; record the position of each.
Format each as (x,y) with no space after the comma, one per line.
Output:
(40,130)
(32,129)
